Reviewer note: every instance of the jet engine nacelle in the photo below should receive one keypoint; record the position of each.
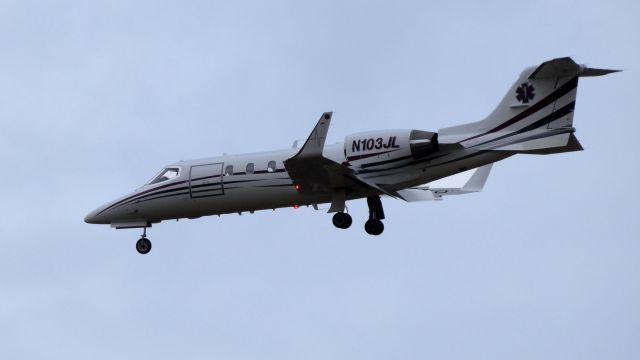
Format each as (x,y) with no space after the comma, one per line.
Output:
(377,148)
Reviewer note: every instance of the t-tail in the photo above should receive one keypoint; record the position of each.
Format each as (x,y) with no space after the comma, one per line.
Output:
(534,117)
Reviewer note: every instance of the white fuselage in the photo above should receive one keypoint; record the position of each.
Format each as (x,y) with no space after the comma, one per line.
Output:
(209,186)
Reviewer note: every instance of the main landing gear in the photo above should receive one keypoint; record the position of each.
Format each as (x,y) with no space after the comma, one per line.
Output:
(143,245)
(373,226)
(342,220)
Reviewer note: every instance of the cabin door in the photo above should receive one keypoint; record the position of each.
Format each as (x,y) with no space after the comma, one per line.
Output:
(206,181)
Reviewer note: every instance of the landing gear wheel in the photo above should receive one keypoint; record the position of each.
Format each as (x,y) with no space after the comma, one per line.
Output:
(342,220)
(143,246)
(374,227)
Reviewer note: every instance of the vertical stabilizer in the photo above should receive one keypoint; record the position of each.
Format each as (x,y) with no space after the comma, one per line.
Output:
(535,114)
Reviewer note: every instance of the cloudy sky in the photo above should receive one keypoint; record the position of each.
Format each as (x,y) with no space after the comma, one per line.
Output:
(97,96)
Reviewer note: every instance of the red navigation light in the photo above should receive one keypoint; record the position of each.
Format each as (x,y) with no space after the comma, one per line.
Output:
(297,186)
(296,206)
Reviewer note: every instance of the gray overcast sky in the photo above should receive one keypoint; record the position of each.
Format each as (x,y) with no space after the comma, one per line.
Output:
(96,96)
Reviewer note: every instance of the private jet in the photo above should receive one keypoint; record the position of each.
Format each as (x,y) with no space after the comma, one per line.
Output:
(534,117)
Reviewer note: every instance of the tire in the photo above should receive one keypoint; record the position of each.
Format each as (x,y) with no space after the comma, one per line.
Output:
(349,221)
(374,227)
(342,220)
(143,246)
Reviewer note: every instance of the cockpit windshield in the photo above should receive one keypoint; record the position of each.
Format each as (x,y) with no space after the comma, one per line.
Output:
(165,175)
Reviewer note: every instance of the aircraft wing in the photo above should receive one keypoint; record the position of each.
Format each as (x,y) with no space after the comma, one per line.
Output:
(459,184)
(314,173)
(308,168)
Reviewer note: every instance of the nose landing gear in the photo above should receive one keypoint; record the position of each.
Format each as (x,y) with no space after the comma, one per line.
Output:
(143,245)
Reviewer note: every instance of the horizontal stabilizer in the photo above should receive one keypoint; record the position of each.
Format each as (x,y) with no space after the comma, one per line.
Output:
(586,72)
(565,67)
(458,184)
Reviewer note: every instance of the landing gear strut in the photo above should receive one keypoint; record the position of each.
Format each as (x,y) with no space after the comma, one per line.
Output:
(374,226)
(143,245)
(342,220)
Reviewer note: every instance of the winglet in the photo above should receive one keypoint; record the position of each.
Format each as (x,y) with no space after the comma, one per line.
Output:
(315,143)
(307,169)
(478,179)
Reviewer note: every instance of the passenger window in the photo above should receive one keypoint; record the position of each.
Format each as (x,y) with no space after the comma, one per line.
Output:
(250,168)
(228,171)
(272,166)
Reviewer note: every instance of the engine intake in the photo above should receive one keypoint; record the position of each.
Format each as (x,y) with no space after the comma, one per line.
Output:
(423,143)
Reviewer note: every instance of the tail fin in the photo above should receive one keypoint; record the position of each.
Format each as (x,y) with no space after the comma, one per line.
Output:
(535,116)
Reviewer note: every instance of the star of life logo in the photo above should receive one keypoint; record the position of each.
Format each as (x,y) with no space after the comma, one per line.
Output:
(525,93)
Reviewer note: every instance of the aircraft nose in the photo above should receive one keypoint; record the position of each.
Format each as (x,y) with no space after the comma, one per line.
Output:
(95,218)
